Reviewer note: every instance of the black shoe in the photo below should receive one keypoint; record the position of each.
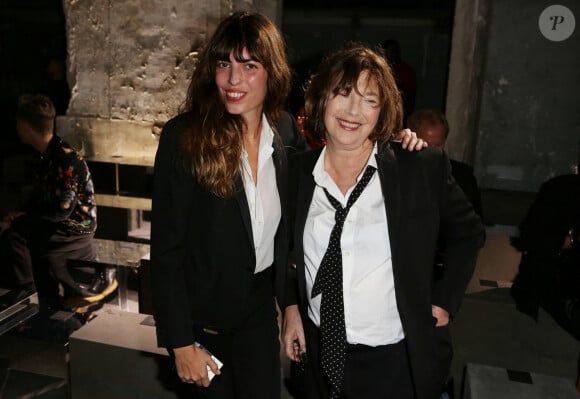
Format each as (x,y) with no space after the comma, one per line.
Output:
(76,291)
(103,280)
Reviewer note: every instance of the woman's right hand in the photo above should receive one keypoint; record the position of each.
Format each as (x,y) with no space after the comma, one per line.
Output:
(191,363)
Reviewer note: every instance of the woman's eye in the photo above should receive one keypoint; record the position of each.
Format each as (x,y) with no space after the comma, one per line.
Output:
(372,102)
(251,66)
(222,64)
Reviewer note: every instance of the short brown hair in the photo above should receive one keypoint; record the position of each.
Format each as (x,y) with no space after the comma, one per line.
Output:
(38,111)
(429,116)
(339,72)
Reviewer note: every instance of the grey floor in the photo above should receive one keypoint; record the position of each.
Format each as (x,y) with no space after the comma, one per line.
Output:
(34,356)
(488,331)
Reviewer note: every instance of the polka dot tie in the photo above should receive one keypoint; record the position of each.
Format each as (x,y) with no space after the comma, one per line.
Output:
(328,282)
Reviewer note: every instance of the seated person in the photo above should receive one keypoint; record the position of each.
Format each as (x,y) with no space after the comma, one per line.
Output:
(61,218)
(548,274)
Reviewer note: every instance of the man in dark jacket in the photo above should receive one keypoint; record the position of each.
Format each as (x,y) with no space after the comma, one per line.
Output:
(60,219)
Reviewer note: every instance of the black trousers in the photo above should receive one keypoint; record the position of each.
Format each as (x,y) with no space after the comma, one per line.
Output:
(36,251)
(50,260)
(250,354)
(15,262)
(381,372)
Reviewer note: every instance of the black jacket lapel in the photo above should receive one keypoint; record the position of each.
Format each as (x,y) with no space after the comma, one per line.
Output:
(245,211)
(281,165)
(304,193)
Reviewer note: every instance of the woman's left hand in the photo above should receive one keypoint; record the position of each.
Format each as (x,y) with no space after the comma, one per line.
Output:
(409,140)
(441,315)
(293,333)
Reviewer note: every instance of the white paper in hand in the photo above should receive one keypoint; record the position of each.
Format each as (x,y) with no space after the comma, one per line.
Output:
(210,373)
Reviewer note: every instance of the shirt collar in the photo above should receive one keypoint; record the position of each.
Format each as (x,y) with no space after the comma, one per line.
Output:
(321,176)
(267,135)
(266,138)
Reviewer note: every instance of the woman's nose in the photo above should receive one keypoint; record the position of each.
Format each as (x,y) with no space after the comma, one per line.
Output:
(236,75)
(353,104)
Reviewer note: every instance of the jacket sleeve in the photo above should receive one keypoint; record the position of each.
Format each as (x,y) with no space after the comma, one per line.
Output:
(171,205)
(291,283)
(70,177)
(463,234)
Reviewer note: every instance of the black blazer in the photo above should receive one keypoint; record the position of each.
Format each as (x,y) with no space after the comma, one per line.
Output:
(202,249)
(422,200)
(463,175)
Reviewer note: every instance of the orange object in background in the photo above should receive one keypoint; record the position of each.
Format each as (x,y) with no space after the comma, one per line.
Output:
(312,143)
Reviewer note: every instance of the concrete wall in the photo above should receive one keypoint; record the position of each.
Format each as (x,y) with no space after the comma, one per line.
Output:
(128,67)
(469,28)
(529,120)
(512,91)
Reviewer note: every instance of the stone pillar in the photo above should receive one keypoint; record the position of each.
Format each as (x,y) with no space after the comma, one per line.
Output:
(467,50)
(513,83)
(129,63)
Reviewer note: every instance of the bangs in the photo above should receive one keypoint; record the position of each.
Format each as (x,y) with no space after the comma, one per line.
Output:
(348,79)
(236,39)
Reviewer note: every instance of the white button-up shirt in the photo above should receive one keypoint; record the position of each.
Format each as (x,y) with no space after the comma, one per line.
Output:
(370,306)
(263,198)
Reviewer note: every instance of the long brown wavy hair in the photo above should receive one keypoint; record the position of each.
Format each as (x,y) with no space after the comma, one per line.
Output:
(213,142)
(339,72)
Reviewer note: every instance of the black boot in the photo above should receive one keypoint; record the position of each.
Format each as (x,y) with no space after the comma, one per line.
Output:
(76,291)
(103,280)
